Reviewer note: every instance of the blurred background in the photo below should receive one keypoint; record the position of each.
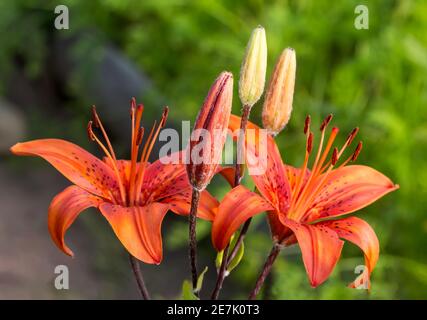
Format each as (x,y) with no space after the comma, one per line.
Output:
(169,52)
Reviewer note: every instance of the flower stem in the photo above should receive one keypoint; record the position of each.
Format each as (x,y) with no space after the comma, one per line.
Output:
(138,276)
(265,270)
(239,174)
(240,145)
(239,241)
(192,236)
(237,179)
(221,275)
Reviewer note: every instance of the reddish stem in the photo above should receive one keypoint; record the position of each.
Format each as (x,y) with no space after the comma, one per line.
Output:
(265,270)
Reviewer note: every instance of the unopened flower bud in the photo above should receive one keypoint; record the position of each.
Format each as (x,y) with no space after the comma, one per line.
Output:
(209,132)
(278,101)
(254,66)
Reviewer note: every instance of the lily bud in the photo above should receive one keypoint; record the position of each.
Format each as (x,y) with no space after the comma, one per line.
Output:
(209,132)
(278,101)
(254,66)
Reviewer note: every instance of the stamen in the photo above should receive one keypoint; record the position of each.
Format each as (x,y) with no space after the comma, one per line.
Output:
(139,136)
(300,178)
(94,117)
(90,131)
(349,140)
(315,171)
(136,114)
(113,161)
(147,150)
(354,156)
(334,158)
(325,122)
(98,123)
(351,136)
(357,151)
(309,143)
(132,107)
(113,199)
(302,206)
(142,163)
(329,144)
(307,124)
(164,117)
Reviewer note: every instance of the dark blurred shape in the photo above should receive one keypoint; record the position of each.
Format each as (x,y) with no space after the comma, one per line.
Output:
(113,79)
(12,125)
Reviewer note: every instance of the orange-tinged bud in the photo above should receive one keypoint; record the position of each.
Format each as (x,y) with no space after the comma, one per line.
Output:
(278,101)
(254,67)
(209,132)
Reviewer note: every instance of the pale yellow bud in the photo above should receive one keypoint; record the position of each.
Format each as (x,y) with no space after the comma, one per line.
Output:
(278,100)
(252,73)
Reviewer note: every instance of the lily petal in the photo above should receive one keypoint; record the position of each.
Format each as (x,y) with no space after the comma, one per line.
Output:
(163,179)
(75,163)
(293,174)
(138,228)
(64,209)
(320,248)
(279,232)
(361,234)
(124,167)
(227,173)
(181,204)
(237,206)
(349,189)
(268,172)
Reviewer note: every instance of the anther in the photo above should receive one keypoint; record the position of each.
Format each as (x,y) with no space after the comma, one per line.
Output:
(357,151)
(139,136)
(307,124)
(310,143)
(164,117)
(90,131)
(352,135)
(132,106)
(95,117)
(334,156)
(325,122)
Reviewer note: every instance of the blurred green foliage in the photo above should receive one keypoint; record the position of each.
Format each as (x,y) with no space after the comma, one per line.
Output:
(375,79)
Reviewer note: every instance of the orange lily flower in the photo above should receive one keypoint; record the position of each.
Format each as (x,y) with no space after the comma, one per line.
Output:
(133,196)
(308,206)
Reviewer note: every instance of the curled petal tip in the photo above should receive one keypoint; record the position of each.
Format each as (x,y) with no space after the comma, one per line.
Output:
(13,148)
(17,148)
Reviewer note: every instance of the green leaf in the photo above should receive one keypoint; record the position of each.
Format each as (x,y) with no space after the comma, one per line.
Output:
(218,259)
(187,287)
(200,280)
(187,291)
(237,258)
